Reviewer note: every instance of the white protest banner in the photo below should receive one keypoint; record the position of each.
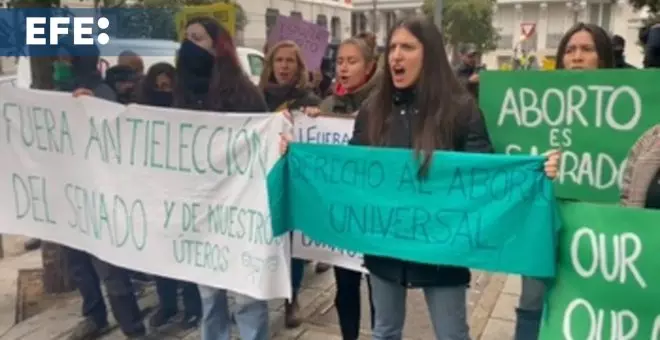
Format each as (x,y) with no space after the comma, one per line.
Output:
(324,130)
(175,193)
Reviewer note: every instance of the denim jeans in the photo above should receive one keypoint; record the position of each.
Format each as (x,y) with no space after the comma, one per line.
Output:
(530,309)
(87,274)
(447,309)
(251,316)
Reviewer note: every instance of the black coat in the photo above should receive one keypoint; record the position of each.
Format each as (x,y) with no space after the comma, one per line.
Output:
(471,137)
(291,98)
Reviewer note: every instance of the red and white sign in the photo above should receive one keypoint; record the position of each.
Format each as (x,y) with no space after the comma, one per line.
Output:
(528,29)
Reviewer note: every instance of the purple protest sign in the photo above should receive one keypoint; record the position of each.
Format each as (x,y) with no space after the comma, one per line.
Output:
(311,38)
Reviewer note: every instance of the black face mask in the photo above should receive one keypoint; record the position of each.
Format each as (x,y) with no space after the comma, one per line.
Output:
(162,98)
(195,59)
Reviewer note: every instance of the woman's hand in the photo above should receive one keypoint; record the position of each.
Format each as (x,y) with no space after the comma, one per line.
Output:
(287,114)
(551,165)
(82,92)
(312,111)
(285,139)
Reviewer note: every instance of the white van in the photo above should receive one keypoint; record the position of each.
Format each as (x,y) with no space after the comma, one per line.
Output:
(152,52)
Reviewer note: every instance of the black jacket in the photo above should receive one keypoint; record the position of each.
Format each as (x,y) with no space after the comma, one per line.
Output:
(471,137)
(290,98)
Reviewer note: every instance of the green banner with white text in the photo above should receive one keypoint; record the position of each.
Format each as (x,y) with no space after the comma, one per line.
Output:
(594,117)
(608,278)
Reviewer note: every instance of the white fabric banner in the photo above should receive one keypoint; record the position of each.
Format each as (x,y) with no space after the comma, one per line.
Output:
(324,130)
(170,192)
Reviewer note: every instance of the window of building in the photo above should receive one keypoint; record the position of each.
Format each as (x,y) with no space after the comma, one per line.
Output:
(322,20)
(271,19)
(335,28)
(600,14)
(355,21)
(296,14)
(505,22)
(390,20)
(556,25)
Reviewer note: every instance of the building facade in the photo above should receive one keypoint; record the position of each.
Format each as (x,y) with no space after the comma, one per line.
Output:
(378,16)
(552,19)
(334,15)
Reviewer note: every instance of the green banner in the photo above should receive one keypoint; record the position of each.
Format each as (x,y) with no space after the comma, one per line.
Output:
(594,117)
(608,279)
(490,212)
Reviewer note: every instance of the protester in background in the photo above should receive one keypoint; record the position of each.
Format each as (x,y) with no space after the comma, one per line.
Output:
(132,60)
(76,71)
(583,47)
(649,36)
(209,77)
(124,81)
(356,69)
(468,69)
(427,112)
(157,86)
(619,46)
(284,82)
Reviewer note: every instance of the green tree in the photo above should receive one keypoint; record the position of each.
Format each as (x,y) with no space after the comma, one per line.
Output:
(467,21)
(653,5)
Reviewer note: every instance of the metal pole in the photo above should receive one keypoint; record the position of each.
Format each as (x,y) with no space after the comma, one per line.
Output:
(437,14)
(374,25)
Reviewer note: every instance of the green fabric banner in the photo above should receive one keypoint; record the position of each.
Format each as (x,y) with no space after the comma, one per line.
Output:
(608,280)
(594,117)
(489,212)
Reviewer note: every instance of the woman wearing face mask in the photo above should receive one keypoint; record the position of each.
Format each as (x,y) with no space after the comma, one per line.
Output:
(209,77)
(284,84)
(157,86)
(424,111)
(583,47)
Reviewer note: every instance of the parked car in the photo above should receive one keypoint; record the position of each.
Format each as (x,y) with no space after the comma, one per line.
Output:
(152,51)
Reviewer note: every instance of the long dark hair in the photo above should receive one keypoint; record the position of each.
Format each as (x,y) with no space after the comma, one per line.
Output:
(440,98)
(148,84)
(229,88)
(601,39)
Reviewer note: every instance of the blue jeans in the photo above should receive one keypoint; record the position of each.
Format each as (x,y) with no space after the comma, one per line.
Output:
(251,316)
(446,307)
(530,309)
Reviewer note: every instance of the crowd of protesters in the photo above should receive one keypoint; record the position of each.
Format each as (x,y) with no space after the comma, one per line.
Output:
(411,84)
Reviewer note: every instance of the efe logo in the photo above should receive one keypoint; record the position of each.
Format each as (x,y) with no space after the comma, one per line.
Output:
(59,26)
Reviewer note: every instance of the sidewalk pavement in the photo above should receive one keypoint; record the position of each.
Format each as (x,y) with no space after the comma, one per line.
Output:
(491,303)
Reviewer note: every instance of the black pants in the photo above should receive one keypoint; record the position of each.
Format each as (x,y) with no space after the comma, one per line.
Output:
(167,294)
(347,302)
(87,273)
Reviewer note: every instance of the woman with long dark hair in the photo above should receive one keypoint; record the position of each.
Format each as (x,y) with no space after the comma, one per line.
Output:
(583,47)
(209,77)
(424,111)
